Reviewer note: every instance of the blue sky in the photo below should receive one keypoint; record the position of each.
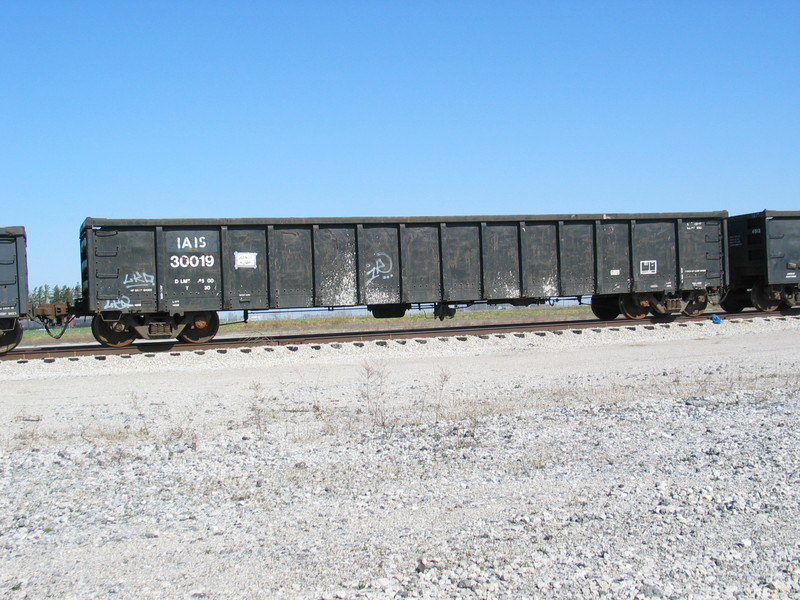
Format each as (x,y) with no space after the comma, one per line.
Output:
(345,108)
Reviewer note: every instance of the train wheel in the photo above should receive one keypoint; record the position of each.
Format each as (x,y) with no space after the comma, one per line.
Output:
(632,307)
(605,308)
(112,333)
(788,300)
(658,308)
(696,306)
(763,298)
(201,328)
(10,339)
(734,301)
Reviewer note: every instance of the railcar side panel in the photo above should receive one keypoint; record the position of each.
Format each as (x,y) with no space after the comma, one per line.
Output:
(191,269)
(654,256)
(501,271)
(335,274)
(421,263)
(540,259)
(461,262)
(700,251)
(123,270)
(783,250)
(9,277)
(291,272)
(379,265)
(244,268)
(576,258)
(13,273)
(613,257)
(764,248)
(745,250)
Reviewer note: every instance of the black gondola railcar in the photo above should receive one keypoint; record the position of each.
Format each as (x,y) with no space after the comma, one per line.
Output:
(169,278)
(764,257)
(13,286)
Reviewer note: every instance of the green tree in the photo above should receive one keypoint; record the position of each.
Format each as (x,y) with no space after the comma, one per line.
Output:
(45,294)
(66,295)
(37,296)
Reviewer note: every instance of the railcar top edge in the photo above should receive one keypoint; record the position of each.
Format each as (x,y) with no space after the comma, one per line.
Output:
(91,222)
(13,231)
(769,214)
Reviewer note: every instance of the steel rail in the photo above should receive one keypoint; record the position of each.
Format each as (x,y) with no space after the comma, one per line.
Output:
(246,343)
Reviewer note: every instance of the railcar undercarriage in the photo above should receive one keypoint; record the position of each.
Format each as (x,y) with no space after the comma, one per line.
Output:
(607,307)
(118,329)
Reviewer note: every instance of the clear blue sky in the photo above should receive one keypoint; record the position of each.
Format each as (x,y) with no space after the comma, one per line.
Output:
(345,108)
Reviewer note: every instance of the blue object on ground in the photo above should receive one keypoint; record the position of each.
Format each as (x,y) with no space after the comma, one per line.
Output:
(716,319)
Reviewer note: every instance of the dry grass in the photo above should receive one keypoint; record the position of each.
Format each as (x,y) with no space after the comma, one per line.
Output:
(372,390)
(327,322)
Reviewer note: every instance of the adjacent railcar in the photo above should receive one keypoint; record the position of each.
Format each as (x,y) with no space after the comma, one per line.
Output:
(169,278)
(669,263)
(13,286)
(764,256)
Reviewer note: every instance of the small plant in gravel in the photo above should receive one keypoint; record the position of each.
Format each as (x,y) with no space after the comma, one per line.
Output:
(314,393)
(144,426)
(29,433)
(442,379)
(152,422)
(258,410)
(540,459)
(468,412)
(186,431)
(373,393)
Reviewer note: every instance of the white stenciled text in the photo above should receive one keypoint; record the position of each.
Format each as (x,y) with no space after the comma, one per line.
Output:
(177,261)
(194,243)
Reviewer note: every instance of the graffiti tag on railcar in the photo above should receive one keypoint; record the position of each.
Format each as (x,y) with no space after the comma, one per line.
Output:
(118,303)
(382,268)
(139,280)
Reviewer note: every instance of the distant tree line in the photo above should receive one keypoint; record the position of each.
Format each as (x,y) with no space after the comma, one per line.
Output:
(45,294)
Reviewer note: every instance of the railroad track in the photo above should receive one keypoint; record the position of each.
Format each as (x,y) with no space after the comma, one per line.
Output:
(247,343)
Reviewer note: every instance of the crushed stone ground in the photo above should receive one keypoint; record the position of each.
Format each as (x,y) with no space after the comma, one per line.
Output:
(649,461)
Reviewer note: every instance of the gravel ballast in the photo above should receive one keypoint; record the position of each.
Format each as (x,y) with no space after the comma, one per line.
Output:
(647,461)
